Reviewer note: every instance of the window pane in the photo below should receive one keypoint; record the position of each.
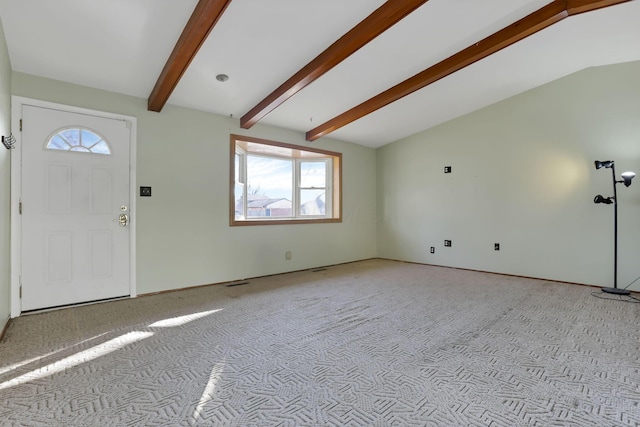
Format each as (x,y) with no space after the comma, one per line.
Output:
(80,148)
(72,136)
(239,197)
(313,174)
(57,143)
(89,138)
(270,187)
(101,148)
(312,202)
(236,168)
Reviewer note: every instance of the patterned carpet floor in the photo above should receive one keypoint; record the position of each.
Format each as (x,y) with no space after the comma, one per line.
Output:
(372,343)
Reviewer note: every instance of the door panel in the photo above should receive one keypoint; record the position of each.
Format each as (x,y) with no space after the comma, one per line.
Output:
(100,191)
(58,256)
(58,189)
(73,248)
(101,262)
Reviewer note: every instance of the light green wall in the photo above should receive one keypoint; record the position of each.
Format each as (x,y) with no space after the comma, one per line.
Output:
(183,236)
(522,176)
(5,170)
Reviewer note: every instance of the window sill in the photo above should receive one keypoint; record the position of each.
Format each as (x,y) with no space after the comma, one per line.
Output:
(234,223)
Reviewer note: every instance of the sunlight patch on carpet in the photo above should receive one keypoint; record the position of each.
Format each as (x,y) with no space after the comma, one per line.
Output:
(78,358)
(207,394)
(172,322)
(13,366)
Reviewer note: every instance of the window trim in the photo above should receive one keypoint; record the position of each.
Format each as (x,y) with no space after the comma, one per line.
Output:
(297,152)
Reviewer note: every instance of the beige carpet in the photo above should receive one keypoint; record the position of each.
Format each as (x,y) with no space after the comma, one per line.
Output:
(374,343)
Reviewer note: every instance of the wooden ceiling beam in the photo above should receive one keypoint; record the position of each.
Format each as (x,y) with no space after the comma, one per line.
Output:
(575,7)
(383,18)
(204,17)
(531,24)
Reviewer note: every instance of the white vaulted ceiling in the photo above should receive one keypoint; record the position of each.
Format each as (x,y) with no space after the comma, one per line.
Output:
(123,45)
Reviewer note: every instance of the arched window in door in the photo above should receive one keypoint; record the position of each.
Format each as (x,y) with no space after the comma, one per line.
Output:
(78,139)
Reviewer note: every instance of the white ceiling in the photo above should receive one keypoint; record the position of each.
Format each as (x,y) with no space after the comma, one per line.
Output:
(122,45)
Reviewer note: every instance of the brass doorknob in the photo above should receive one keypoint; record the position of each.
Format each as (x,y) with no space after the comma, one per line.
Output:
(123,220)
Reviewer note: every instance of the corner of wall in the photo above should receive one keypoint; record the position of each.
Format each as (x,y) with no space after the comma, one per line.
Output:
(5,189)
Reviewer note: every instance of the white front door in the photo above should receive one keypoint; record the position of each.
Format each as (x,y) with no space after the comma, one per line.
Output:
(75,207)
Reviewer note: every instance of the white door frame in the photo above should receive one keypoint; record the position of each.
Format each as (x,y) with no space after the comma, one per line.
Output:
(16,191)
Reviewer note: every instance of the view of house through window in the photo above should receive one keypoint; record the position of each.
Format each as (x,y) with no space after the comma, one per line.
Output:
(275,183)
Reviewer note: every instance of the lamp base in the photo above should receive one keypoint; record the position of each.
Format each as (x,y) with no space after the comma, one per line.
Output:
(616,291)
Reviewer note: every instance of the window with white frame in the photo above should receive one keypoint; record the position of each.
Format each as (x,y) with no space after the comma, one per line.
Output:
(77,139)
(276,183)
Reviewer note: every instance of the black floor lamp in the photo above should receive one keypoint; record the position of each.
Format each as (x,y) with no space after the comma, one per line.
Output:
(626,180)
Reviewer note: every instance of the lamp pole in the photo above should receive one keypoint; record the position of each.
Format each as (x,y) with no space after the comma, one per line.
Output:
(626,179)
(615,230)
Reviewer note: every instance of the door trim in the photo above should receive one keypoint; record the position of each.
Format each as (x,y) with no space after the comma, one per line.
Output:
(17,102)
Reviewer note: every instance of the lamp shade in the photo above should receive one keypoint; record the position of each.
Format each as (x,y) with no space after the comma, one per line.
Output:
(603,163)
(627,177)
(600,199)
